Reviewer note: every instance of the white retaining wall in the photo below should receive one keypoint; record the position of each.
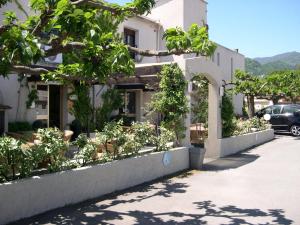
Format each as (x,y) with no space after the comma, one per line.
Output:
(232,145)
(31,196)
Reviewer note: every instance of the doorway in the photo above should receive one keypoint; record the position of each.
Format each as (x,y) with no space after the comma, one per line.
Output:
(55,106)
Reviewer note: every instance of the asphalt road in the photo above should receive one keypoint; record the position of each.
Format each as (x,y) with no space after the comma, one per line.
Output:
(260,186)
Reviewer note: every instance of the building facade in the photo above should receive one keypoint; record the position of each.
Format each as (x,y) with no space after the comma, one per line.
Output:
(144,32)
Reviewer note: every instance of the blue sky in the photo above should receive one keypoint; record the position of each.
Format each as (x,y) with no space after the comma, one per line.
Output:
(257,27)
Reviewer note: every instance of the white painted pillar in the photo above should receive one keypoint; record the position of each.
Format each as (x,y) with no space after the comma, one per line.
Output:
(214,122)
(187,123)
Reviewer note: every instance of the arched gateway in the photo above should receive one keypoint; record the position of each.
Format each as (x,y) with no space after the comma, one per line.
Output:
(196,65)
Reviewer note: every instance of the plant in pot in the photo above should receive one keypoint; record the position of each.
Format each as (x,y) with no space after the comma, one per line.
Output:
(87,150)
(112,137)
(50,149)
(139,135)
(14,161)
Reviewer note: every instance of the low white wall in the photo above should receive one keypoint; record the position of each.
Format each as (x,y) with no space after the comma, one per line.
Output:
(232,145)
(31,196)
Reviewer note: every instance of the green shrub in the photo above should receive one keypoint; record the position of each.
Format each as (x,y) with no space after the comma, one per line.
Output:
(250,125)
(142,132)
(139,135)
(87,151)
(13,159)
(81,141)
(19,126)
(50,149)
(113,133)
(228,117)
(127,120)
(161,141)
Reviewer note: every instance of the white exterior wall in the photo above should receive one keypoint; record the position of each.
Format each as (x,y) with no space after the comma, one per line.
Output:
(235,144)
(228,68)
(194,11)
(146,36)
(10,87)
(11,6)
(168,12)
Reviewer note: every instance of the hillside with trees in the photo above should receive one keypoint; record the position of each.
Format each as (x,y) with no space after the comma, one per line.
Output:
(266,65)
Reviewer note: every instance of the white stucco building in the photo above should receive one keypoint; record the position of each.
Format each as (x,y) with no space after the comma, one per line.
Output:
(144,32)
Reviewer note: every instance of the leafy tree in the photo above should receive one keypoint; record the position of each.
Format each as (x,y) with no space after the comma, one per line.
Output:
(171,101)
(292,87)
(275,86)
(86,32)
(250,86)
(283,84)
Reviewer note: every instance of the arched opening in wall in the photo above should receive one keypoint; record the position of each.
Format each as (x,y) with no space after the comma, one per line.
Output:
(199,109)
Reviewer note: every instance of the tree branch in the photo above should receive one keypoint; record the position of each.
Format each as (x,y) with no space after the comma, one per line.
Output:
(45,18)
(37,71)
(149,53)
(29,70)
(103,6)
(57,49)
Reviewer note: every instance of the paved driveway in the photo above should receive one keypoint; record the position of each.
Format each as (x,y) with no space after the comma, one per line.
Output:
(261,186)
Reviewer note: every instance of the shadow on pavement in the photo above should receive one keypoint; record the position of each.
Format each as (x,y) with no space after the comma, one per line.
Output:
(230,162)
(77,213)
(204,212)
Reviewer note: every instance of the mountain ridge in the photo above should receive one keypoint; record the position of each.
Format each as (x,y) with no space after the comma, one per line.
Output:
(265,65)
(292,58)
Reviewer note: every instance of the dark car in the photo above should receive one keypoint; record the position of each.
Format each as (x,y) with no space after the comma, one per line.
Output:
(284,118)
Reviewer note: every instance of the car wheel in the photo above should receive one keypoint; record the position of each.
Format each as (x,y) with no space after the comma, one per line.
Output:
(295,130)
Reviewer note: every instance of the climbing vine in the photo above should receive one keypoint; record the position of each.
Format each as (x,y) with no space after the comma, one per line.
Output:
(82,108)
(32,97)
